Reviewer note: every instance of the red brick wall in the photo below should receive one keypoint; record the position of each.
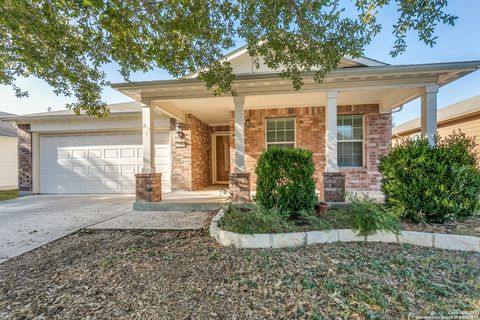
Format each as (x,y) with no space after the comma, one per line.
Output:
(24,157)
(181,172)
(310,134)
(191,166)
(378,132)
(201,154)
(220,128)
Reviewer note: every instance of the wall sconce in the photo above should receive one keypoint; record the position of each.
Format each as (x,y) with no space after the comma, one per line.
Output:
(179,130)
(249,124)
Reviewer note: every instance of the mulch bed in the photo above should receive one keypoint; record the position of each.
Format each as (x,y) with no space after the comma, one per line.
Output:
(470,226)
(187,275)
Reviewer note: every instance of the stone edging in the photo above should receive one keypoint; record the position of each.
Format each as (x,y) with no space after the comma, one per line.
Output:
(300,239)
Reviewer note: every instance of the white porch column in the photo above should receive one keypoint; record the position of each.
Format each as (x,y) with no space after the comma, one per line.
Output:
(148,137)
(239,135)
(429,113)
(331,131)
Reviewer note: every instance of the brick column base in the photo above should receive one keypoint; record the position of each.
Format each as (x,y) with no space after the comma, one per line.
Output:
(148,187)
(334,186)
(239,184)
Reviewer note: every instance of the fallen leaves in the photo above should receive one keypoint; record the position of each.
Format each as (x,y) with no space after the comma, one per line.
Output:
(186,275)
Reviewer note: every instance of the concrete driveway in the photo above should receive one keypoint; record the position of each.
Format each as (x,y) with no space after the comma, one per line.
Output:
(29,222)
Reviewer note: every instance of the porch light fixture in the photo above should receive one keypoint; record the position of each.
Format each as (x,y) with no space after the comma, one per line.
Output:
(249,124)
(179,130)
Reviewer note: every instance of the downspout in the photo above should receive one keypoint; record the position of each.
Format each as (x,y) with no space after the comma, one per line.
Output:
(400,108)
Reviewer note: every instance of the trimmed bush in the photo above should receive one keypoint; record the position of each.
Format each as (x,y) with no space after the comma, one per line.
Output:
(433,184)
(285,181)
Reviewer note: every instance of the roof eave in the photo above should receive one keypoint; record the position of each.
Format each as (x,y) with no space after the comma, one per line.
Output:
(31,119)
(468,66)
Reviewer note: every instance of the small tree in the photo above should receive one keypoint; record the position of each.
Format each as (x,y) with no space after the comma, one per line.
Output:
(285,181)
(434,184)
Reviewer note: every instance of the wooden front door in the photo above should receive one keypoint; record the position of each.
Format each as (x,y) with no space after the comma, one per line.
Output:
(222,158)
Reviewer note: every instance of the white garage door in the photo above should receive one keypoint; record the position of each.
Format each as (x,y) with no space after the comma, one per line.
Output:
(98,163)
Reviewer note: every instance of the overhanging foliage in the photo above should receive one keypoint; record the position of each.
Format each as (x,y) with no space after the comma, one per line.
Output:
(66,43)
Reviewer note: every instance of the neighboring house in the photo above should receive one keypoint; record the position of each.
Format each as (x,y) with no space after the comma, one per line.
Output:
(8,154)
(195,139)
(463,115)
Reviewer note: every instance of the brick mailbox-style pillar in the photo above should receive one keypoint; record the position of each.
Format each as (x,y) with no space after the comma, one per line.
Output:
(148,187)
(334,186)
(239,184)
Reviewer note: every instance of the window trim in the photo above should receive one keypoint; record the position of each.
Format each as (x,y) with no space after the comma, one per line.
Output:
(280,117)
(363,165)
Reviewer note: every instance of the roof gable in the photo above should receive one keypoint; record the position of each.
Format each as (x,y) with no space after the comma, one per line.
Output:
(243,63)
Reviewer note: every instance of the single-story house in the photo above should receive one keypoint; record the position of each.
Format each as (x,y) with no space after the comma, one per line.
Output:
(8,154)
(463,115)
(178,136)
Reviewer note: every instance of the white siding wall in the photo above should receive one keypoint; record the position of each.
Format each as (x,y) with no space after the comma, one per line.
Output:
(8,163)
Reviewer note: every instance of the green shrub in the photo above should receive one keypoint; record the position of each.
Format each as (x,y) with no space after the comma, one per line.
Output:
(367,216)
(433,184)
(285,181)
(249,220)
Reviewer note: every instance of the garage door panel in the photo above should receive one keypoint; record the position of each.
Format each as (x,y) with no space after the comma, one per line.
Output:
(97,163)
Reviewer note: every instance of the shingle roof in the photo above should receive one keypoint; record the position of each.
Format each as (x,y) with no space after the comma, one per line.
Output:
(115,108)
(7,128)
(456,110)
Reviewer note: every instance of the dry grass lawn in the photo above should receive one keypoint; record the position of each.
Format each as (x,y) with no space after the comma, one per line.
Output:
(186,275)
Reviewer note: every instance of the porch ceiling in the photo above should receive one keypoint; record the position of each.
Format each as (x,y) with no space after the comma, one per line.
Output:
(389,86)
(215,110)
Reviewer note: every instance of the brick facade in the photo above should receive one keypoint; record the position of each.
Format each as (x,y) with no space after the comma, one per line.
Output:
(192,164)
(239,186)
(148,187)
(334,186)
(378,133)
(201,154)
(310,134)
(24,158)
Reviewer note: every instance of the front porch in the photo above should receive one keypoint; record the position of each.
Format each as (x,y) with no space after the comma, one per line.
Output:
(209,198)
(358,100)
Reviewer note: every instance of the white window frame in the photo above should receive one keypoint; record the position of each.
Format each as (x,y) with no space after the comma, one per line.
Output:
(362,165)
(285,142)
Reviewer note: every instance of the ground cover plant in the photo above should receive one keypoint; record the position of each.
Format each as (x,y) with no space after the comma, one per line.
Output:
(187,275)
(432,184)
(367,216)
(252,219)
(362,214)
(8,194)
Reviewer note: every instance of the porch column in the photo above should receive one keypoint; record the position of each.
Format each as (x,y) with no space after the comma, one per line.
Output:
(239,180)
(148,183)
(239,134)
(331,132)
(148,137)
(333,180)
(429,113)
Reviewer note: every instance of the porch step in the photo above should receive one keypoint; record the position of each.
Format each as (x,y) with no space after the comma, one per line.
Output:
(171,206)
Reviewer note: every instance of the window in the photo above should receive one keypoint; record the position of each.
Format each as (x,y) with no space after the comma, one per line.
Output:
(350,141)
(281,132)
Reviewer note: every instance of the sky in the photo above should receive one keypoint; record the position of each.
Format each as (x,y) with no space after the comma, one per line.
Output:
(458,43)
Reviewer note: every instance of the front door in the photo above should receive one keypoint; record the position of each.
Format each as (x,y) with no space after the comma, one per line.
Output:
(221,158)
